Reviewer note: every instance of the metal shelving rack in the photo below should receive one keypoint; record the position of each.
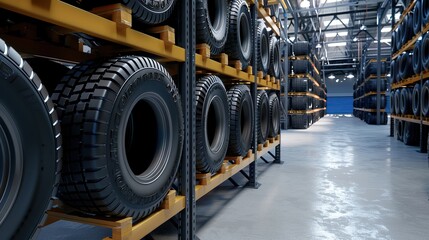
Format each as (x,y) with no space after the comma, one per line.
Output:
(182,204)
(418,78)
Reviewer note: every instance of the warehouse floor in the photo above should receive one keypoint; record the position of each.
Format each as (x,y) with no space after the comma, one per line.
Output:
(342,179)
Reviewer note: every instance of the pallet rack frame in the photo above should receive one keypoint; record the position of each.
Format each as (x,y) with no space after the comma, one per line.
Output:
(67,17)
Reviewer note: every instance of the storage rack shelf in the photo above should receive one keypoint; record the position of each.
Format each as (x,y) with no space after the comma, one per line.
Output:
(404,13)
(71,19)
(300,112)
(369,110)
(368,94)
(306,94)
(305,58)
(412,80)
(410,44)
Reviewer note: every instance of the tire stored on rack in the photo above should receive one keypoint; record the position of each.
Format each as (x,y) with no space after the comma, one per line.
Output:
(212,23)
(405,66)
(263,48)
(299,121)
(300,85)
(147,12)
(123,134)
(416,99)
(411,133)
(301,48)
(393,72)
(30,147)
(262,116)
(407,29)
(274,115)
(417,57)
(425,51)
(417,20)
(275,62)
(241,120)
(397,101)
(392,103)
(301,103)
(406,100)
(425,99)
(301,66)
(425,13)
(398,128)
(240,40)
(212,124)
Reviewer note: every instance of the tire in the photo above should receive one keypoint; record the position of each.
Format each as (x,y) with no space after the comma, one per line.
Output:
(51,72)
(30,147)
(212,124)
(411,134)
(407,29)
(146,12)
(397,75)
(425,13)
(372,102)
(399,38)
(397,101)
(241,115)
(371,85)
(101,106)
(300,103)
(392,103)
(300,85)
(417,20)
(425,51)
(405,66)
(406,101)
(301,66)
(263,48)
(212,24)
(301,48)
(416,100)
(240,40)
(425,99)
(299,121)
(262,116)
(274,115)
(393,71)
(394,39)
(398,130)
(275,61)
(417,58)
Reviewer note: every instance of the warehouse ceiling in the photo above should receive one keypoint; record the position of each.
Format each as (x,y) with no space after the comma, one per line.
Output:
(341,30)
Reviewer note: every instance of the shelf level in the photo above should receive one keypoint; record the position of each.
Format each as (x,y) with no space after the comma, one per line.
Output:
(369,110)
(291,94)
(369,94)
(300,112)
(412,80)
(404,13)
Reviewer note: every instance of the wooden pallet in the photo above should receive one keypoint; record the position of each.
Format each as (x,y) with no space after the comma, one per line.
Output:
(117,13)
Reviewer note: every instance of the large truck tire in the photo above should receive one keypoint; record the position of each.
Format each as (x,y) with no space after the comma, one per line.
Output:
(212,24)
(240,35)
(241,120)
(263,48)
(30,147)
(262,116)
(416,100)
(274,115)
(123,134)
(276,67)
(212,124)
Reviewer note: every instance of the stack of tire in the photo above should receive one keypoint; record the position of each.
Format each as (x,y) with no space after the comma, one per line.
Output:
(365,93)
(117,123)
(304,83)
(410,101)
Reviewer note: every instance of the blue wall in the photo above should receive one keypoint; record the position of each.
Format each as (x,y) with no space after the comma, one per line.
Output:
(340,105)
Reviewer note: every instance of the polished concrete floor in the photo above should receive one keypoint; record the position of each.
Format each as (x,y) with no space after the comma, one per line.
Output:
(341,179)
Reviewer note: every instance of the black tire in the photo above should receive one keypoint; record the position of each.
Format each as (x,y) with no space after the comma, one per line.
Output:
(300,85)
(399,38)
(299,121)
(212,124)
(405,66)
(425,51)
(397,75)
(406,100)
(398,130)
(275,61)
(241,115)
(262,116)
(372,101)
(394,39)
(212,23)
(146,12)
(411,134)
(240,40)
(102,105)
(371,85)
(51,72)
(417,57)
(263,48)
(393,71)
(274,115)
(301,66)
(425,13)
(30,147)
(392,103)
(417,20)
(300,103)
(425,99)
(416,100)
(301,48)
(397,101)
(407,29)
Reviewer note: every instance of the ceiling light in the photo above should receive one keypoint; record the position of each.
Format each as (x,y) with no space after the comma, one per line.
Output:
(337,44)
(305,4)
(350,76)
(355,39)
(318,45)
(337,80)
(331,76)
(363,28)
(334,34)
(386,29)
